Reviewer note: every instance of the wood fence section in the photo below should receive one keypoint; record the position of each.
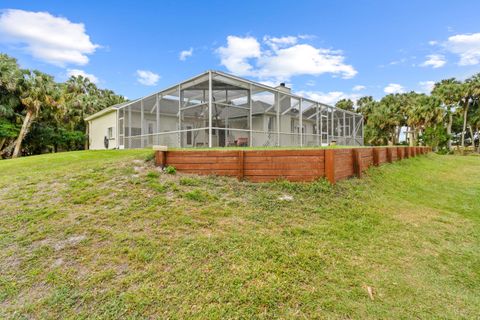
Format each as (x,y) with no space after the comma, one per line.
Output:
(382,155)
(343,163)
(222,163)
(365,160)
(292,165)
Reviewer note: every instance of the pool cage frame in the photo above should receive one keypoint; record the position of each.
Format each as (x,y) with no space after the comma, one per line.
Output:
(216,109)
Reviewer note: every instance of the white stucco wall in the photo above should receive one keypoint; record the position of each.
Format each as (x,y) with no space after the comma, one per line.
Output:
(98,129)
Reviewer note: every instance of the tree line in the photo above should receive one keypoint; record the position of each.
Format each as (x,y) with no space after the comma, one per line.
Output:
(40,115)
(449,115)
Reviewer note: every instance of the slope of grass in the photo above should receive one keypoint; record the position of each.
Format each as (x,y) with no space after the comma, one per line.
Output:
(105,235)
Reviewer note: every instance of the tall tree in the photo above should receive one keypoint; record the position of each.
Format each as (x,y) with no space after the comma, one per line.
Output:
(449,92)
(38,90)
(10,77)
(345,104)
(469,90)
(474,88)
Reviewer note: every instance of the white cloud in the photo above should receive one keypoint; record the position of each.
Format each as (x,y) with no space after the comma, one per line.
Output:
(400,61)
(147,78)
(275,43)
(185,54)
(46,37)
(433,42)
(281,58)
(426,86)
(434,61)
(236,54)
(393,88)
(302,59)
(358,88)
(329,98)
(306,36)
(467,46)
(78,72)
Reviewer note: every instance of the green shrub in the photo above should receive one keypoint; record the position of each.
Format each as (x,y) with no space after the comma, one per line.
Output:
(150,157)
(443,151)
(170,170)
(153,175)
(187,181)
(199,195)
(158,187)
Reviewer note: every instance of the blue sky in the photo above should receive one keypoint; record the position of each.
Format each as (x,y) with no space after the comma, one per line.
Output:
(326,50)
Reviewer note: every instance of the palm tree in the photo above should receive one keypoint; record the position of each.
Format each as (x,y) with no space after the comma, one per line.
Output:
(470,90)
(449,92)
(345,104)
(10,76)
(38,90)
(84,98)
(365,106)
(474,86)
(423,111)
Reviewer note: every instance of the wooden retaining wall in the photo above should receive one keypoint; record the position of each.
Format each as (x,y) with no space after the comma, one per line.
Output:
(292,165)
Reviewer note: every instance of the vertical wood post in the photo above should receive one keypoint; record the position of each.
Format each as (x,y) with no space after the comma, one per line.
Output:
(161,158)
(357,162)
(330,165)
(241,165)
(375,157)
(389,155)
(399,153)
(406,152)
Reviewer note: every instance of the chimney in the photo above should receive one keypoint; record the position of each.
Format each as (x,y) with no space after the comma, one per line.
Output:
(283,88)
(285,101)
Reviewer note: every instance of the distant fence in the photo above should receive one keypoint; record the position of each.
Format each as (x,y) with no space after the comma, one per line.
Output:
(292,165)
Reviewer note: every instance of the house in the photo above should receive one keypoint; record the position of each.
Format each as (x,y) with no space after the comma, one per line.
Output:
(216,109)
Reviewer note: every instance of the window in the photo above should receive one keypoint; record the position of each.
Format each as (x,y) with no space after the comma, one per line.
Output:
(189,135)
(271,122)
(110,133)
(120,126)
(135,131)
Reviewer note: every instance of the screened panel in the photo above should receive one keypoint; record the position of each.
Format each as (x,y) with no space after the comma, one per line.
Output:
(236,112)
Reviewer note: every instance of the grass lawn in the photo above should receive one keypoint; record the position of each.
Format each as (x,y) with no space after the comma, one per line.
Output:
(103,234)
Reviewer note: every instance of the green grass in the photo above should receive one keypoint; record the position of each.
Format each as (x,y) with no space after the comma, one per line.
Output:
(104,234)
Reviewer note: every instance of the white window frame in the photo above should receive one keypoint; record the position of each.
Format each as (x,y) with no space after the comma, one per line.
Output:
(110,133)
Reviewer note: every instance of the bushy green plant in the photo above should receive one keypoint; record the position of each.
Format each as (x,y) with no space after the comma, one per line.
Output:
(170,170)
(187,181)
(199,195)
(150,157)
(443,151)
(436,137)
(153,175)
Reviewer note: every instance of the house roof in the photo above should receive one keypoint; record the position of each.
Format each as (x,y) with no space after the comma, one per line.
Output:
(199,83)
(106,110)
